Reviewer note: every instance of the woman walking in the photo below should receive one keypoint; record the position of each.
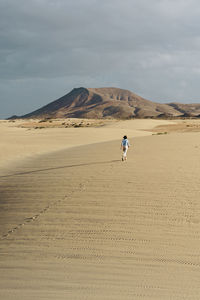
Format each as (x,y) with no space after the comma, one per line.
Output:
(124,146)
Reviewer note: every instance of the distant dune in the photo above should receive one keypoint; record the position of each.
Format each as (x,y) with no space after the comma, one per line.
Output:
(98,103)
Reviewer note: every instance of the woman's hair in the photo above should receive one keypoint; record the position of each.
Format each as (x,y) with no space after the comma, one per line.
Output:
(125,137)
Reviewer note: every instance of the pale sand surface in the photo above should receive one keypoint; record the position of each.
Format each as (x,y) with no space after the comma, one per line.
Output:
(18,143)
(80,224)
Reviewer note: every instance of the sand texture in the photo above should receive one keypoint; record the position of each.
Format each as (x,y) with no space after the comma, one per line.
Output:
(80,224)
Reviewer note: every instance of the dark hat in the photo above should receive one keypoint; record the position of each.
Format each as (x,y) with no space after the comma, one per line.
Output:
(125,137)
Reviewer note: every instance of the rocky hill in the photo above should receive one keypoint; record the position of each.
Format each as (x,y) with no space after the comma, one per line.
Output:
(110,103)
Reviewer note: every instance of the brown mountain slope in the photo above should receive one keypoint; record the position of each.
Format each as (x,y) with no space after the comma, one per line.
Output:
(187,110)
(107,103)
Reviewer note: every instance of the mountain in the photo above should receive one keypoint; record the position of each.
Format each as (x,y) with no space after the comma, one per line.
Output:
(110,103)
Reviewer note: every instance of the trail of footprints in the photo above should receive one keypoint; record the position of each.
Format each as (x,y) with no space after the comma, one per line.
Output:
(28,220)
(82,187)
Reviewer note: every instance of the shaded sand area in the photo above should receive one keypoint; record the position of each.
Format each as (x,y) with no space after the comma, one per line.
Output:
(80,224)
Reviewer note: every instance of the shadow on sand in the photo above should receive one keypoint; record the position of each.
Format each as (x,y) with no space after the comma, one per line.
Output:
(61,167)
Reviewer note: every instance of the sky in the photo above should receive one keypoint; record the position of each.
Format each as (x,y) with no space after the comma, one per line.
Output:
(49,47)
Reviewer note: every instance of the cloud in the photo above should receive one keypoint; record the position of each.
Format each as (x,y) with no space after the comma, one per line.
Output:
(50,46)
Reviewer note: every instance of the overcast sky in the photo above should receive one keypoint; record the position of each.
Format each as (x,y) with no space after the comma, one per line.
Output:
(48,47)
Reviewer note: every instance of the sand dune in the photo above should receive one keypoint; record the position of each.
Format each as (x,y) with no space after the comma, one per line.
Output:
(80,224)
(18,143)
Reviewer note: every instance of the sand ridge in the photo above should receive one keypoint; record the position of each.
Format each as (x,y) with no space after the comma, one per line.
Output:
(21,140)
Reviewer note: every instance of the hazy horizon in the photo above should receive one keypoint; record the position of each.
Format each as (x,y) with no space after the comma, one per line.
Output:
(49,47)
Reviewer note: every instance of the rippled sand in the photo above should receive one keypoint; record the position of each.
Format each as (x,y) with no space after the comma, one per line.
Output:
(81,224)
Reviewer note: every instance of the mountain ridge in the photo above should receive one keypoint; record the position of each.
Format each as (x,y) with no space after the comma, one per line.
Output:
(110,102)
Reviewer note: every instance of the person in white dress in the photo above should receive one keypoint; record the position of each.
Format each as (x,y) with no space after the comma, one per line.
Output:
(124,146)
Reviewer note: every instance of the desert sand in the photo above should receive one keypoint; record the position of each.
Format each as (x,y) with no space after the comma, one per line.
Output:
(78,223)
(25,139)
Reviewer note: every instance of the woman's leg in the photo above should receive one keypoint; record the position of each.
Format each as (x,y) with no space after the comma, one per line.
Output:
(124,153)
